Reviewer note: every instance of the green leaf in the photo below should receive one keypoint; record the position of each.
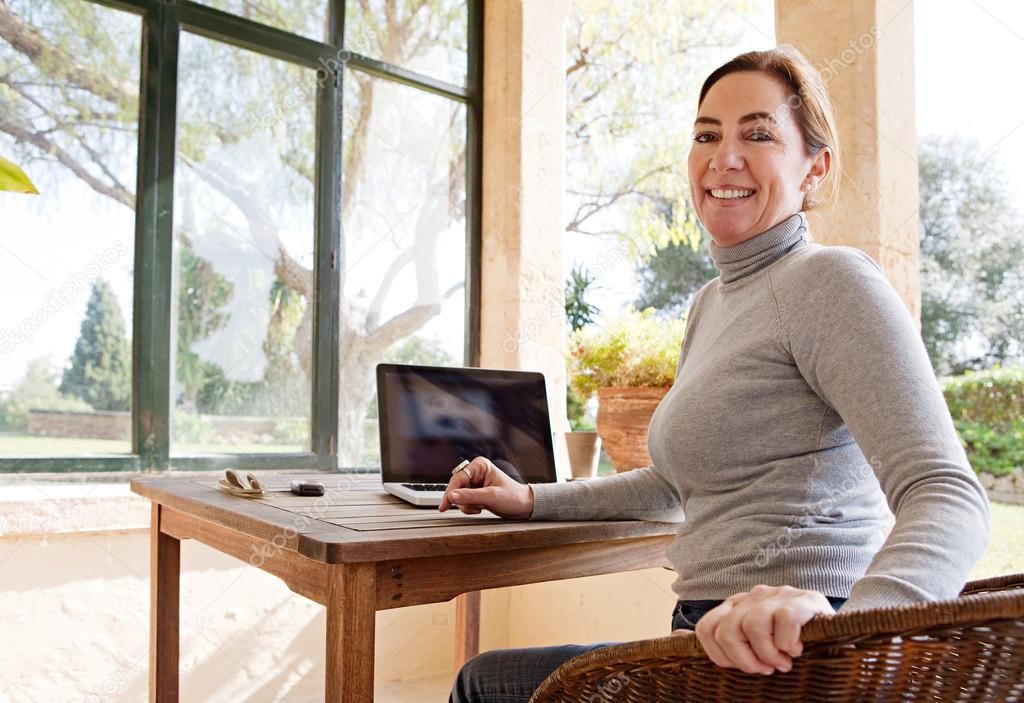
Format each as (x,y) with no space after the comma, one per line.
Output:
(14,179)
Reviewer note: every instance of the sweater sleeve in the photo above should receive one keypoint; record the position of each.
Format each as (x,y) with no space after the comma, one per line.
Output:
(640,494)
(857,346)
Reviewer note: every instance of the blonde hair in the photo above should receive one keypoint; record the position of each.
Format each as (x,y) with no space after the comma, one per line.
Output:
(808,100)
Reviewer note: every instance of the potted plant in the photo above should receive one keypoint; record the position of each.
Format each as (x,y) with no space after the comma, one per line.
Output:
(630,363)
(582,442)
(13,179)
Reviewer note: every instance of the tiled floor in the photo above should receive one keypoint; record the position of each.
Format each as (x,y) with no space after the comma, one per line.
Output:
(426,690)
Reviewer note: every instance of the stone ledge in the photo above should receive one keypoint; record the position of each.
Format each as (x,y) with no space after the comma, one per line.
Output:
(46,504)
(1008,488)
(63,512)
(43,504)
(1005,497)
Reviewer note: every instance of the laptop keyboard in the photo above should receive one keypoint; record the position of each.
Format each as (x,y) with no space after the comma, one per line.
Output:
(426,486)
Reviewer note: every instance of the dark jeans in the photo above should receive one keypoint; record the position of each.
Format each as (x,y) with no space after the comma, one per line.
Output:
(512,675)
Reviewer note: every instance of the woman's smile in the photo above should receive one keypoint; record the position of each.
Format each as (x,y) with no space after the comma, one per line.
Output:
(730,195)
(749,164)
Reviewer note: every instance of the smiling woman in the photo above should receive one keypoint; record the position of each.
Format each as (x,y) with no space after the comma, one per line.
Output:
(764,143)
(776,438)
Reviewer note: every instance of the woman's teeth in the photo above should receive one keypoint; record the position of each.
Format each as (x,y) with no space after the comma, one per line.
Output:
(731,194)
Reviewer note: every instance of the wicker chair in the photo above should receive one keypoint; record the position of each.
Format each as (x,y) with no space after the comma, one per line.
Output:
(970,648)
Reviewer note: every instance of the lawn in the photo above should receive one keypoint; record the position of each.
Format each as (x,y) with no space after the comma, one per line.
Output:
(32,445)
(1006,553)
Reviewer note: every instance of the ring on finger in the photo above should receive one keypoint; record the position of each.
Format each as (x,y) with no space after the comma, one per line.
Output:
(463,466)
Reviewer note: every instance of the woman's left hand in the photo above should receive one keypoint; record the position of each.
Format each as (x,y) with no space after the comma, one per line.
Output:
(759,631)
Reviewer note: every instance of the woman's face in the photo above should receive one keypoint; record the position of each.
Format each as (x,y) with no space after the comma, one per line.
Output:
(748,165)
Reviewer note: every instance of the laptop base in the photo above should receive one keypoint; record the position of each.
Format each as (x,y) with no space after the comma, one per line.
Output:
(423,499)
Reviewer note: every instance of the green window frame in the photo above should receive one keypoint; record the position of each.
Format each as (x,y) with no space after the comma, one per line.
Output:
(162,24)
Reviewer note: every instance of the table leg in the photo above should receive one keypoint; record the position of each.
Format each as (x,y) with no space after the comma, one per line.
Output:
(467,627)
(164,577)
(351,609)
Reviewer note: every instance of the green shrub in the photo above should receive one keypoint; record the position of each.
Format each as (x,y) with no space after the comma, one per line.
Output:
(14,411)
(191,428)
(634,349)
(993,450)
(988,411)
(994,396)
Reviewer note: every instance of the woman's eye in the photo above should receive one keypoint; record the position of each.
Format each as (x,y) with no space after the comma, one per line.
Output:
(704,137)
(761,137)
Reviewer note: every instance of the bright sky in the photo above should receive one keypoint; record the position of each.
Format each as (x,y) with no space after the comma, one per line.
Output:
(969,54)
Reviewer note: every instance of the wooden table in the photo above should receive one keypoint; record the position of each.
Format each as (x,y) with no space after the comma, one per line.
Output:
(357,550)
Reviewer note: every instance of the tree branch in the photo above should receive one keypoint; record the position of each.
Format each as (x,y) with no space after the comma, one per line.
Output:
(407,322)
(290,272)
(399,262)
(595,207)
(581,61)
(115,191)
(57,62)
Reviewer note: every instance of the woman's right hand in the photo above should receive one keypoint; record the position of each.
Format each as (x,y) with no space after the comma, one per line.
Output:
(489,487)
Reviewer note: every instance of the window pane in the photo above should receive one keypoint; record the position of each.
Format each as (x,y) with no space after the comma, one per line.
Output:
(305,17)
(429,39)
(404,224)
(69,116)
(243,252)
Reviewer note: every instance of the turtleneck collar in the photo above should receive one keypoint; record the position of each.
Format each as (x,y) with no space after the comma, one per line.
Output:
(750,256)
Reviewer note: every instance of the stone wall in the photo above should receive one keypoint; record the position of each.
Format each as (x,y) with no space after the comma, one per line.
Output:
(117,425)
(1005,489)
(92,425)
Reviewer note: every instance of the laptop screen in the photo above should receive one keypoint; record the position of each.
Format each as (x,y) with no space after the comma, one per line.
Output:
(431,418)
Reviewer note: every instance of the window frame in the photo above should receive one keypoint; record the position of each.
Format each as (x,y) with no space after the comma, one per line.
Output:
(152,325)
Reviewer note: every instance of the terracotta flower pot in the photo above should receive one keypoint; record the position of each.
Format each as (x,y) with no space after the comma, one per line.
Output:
(584,453)
(623,415)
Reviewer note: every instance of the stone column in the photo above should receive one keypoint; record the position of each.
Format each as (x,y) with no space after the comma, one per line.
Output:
(865,52)
(522,308)
(522,315)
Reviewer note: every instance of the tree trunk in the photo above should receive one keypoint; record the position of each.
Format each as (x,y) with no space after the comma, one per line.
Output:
(357,385)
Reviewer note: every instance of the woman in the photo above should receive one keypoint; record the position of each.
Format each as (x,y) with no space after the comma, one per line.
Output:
(804,402)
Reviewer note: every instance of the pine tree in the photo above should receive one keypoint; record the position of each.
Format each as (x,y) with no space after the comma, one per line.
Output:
(101,365)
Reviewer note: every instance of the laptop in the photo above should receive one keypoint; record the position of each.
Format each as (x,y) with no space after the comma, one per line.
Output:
(432,417)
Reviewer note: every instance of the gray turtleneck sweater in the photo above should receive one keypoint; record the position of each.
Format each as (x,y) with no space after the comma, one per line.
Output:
(804,410)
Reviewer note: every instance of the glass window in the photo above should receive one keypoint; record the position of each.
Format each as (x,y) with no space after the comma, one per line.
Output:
(68,115)
(241,269)
(305,17)
(404,224)
(429,39)
(244,234)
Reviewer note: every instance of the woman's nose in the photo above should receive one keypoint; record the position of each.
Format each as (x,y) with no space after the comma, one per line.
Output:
(727,157)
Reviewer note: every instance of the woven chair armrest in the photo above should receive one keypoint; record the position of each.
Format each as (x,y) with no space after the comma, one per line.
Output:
(990,600)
